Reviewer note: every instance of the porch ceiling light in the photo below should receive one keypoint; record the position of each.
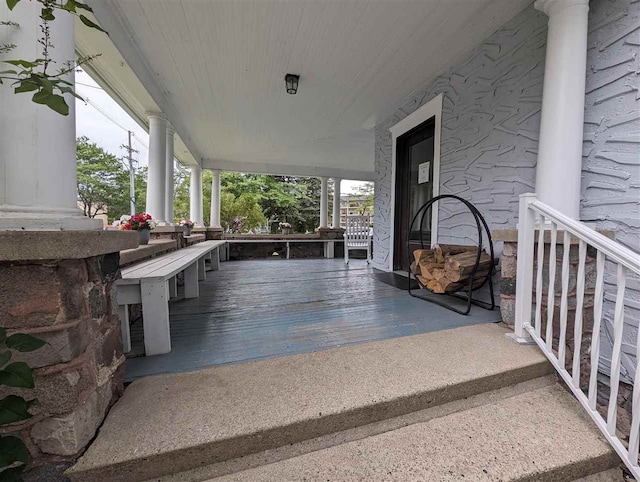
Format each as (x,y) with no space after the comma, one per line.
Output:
(292,83)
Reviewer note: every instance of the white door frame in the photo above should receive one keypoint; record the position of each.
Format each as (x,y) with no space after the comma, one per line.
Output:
(433,108)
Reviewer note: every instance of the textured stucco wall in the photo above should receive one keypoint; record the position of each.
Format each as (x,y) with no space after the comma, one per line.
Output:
(611,157)
(491,118)
(490,123)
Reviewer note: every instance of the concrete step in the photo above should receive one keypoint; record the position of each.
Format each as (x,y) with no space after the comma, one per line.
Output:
(541,435)
(172,423)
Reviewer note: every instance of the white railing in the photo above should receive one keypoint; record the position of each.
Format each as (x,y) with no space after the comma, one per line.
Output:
(537,216)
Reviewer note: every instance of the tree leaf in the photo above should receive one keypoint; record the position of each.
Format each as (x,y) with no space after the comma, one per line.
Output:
(22,342)
(69,90)
(46,14)
(43,82)
(70,6)
(21,63)
(91,24)
(25,86)
(83,6)
(5,356)
(12,3)
(13,450)
(18,375)
(14,409)
(53,101)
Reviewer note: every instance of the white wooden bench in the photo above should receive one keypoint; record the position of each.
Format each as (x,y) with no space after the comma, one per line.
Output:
(152,283)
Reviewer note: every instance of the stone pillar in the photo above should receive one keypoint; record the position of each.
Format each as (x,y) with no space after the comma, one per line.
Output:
(59,287)
(214,220)
(336,202)
(38,189)
(156,175)
(195,192)
(324,202)
(169,216)
(558,171)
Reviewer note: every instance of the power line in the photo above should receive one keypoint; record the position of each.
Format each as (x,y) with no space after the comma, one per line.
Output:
(89,85)
(111,118)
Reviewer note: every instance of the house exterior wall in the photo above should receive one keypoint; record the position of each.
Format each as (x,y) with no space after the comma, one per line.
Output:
(490,117)
(490,126)
(611,157)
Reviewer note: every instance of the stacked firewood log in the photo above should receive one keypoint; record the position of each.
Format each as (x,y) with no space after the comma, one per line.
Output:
(447,267)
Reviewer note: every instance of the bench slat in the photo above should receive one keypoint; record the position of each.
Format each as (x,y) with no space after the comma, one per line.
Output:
(170,264)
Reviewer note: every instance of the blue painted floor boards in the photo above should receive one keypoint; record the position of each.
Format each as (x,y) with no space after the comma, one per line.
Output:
(258,309)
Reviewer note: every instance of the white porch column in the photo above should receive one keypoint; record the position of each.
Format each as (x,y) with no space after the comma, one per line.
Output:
(195,192)
(156,176)
(324,202)
(169,176)
(336,203)
(214,219)
(38,186)
(560,146)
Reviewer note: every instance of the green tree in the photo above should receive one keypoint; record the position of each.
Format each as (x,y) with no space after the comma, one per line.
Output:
(245,207)
(282,198)
(366,192)
(103,182)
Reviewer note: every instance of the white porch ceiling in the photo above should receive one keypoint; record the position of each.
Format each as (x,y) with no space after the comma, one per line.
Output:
(216,69)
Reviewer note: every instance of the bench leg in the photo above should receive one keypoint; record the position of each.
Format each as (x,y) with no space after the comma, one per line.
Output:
(173,287)
(202,269)
(191,289)
(155,317)
(215,259)
(123,312)
(329,249)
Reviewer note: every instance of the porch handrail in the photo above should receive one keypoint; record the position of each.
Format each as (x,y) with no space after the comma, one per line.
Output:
(536,215)
(616,251)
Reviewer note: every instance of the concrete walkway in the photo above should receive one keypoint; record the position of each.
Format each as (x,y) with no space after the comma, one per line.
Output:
(168,423)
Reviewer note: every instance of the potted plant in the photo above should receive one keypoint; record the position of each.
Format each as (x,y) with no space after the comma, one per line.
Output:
(236,225)
(143,223)
(285,228)
(187,224)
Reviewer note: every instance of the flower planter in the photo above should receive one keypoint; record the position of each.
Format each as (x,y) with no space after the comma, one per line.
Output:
(286,230)
(145,235)
(187,231)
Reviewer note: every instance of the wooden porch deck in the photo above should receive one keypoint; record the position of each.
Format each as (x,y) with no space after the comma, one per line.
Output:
(251,310)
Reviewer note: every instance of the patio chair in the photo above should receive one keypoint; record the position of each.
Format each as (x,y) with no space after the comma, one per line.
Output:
(357,236)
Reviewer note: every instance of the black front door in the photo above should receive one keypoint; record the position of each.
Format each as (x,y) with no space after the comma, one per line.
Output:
(414,187)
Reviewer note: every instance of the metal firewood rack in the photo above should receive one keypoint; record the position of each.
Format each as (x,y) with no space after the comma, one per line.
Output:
(464,292)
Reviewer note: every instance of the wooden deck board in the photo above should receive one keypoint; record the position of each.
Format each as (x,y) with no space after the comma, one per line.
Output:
(258,309)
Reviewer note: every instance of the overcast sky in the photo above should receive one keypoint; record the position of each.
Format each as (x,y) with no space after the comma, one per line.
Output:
(105,123)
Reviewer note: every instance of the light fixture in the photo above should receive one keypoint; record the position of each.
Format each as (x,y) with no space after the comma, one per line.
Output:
(292,83)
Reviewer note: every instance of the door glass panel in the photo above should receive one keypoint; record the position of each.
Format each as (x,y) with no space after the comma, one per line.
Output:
(421,185)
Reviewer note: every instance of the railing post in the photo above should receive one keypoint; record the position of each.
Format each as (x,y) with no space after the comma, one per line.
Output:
(524,274)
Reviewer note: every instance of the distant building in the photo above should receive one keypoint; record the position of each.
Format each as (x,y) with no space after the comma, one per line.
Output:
(351,204)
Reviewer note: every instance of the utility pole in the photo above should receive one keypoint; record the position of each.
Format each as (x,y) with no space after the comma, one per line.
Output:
(132,175)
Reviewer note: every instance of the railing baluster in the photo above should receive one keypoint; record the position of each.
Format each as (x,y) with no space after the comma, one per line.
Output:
(597,322)
(566,247)
(618,326)
(577,328)
(531,211)
(635,411)
(539,274)
(552,286)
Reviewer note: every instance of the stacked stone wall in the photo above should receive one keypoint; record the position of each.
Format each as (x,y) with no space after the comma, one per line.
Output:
(70,304)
